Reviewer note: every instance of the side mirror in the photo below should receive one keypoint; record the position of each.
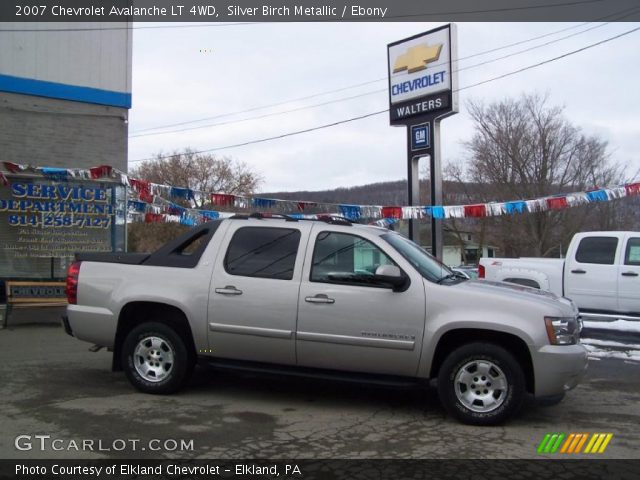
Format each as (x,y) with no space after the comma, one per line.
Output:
(392,275)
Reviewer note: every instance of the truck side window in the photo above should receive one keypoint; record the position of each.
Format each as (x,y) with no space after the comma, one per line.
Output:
(632,256)
(263,252)
(601,250)
(345,258)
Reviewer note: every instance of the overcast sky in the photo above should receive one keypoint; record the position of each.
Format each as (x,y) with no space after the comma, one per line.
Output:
(185,74)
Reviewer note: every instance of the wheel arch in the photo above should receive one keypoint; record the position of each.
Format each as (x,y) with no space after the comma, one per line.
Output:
(525,277)
(136,313)
(525,282)
(453,339)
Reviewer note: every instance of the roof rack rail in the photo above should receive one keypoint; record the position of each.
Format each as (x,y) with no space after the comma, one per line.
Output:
(259,215)
(334,219)
(321,217)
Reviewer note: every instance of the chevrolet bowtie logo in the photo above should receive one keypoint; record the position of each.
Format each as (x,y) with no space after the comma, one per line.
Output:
(416,58)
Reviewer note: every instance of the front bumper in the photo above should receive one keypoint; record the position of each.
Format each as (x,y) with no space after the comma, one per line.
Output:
(558,368)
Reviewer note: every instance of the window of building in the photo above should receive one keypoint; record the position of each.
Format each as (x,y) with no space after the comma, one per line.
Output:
(263,252)
(601,250)
(345,258)
(471,255)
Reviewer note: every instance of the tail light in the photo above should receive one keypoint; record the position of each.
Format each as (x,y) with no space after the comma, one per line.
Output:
(71,289)
(480,271)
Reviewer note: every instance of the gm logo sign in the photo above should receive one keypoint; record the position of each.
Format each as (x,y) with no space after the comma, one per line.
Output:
(420,137)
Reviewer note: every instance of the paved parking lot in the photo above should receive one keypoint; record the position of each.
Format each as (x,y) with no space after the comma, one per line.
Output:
(52,385)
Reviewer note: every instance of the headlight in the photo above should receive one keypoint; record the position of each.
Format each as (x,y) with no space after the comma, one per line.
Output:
(562,330)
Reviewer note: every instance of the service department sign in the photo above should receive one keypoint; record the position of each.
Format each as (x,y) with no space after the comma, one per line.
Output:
(422,76)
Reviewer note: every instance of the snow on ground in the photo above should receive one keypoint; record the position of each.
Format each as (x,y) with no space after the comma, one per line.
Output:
(610,343)
(619,325)
(631,355)
(608,349)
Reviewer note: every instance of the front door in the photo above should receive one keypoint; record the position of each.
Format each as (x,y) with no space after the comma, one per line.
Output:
(348,322)
(254,292)
(591,279)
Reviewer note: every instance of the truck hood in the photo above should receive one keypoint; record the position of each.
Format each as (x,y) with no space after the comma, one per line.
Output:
(515,292)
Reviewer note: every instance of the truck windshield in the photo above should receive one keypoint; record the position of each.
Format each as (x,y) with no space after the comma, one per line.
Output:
(429,267)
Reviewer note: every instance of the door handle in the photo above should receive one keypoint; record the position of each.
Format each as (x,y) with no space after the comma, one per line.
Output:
(578,271)
(229,290)
(319,298)
(629,274)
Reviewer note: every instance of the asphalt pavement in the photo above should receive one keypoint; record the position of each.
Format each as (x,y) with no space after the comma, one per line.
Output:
(56,395)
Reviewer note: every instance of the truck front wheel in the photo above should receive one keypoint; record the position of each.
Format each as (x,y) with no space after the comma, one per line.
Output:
(155,358)
(481,384)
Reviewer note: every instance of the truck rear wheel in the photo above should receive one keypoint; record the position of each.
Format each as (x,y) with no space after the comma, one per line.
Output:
(481,384)
(156,359)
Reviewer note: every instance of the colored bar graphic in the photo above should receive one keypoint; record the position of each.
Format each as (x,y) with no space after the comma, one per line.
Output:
(551,442)
(543,443)
(581,443)
(555,447)
(568,442)
(598,442)
(574,443)
(606,442)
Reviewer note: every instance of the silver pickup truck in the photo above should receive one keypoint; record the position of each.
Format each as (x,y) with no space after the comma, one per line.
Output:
(326,298)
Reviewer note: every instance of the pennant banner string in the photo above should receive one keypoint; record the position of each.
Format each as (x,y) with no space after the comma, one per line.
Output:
(150,200)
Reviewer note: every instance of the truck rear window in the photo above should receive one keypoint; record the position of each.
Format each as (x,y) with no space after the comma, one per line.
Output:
(601,250)
(263,252)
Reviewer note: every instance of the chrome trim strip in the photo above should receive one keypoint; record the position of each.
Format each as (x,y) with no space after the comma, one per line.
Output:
(608,317)
(244,330)
(357,341)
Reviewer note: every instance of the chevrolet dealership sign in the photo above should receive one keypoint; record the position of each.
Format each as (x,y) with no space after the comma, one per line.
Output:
(422,78)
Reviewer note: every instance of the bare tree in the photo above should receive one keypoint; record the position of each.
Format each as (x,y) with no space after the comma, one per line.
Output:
(198,171)
(188,169)
(525,148)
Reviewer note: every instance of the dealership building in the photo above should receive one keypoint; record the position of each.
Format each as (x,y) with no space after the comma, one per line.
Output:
(65,95)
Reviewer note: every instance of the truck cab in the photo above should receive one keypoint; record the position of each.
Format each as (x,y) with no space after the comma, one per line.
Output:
(600,274)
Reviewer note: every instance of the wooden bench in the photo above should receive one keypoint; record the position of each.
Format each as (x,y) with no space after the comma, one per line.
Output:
(30,294)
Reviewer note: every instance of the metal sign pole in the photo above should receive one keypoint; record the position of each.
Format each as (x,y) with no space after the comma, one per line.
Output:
(436,189)
(413,185)
(424,141)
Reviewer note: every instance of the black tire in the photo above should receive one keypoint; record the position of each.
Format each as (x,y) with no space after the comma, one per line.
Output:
(168,360)
(493,405)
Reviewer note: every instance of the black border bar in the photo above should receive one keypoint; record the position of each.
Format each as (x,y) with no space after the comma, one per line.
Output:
(317,10)
(543,469)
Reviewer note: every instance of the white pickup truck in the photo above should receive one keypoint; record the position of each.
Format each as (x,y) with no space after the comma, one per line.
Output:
(601,274)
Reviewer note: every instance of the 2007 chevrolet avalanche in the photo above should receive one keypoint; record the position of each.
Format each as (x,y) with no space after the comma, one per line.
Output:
(324,297)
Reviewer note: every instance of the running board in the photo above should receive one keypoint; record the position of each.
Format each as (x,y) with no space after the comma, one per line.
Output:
(309,372)
(608,317)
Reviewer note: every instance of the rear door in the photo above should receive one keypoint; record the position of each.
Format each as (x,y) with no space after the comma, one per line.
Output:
(347,322)
(591,274)
(629,276)
(254,291)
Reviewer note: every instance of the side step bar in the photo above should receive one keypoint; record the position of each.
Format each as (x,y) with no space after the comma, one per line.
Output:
(608,317)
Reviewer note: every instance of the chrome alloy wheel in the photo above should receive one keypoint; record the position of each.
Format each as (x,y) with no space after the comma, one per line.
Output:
(481,386)
(153,359)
